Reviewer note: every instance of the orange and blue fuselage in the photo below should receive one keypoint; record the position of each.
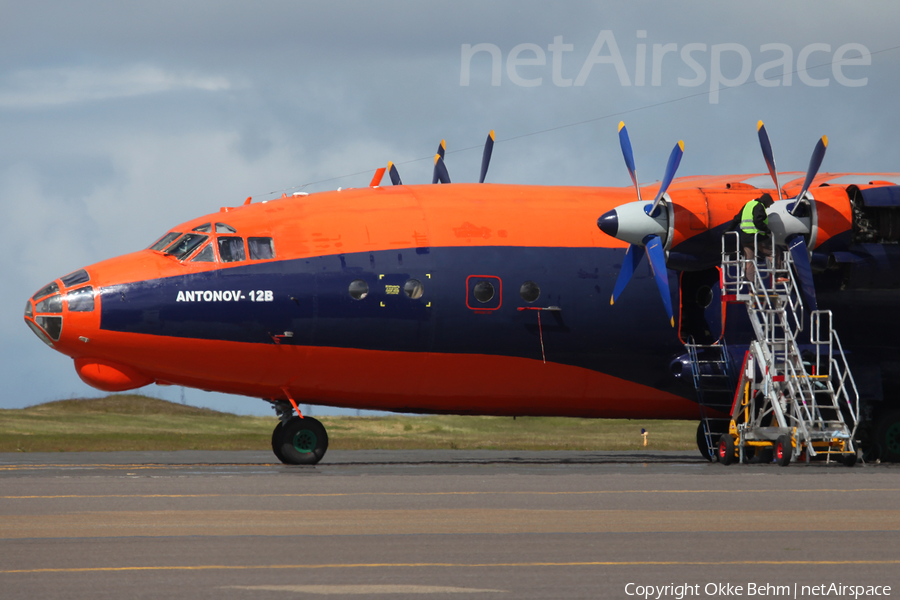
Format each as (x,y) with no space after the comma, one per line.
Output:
(405,298)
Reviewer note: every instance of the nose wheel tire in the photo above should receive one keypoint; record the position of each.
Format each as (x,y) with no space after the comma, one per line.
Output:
(276,442)
(302,441)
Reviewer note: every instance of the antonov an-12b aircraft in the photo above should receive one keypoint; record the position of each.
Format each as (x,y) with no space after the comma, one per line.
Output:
(484,299)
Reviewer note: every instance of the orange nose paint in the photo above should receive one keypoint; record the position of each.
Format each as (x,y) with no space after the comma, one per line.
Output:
(109,376)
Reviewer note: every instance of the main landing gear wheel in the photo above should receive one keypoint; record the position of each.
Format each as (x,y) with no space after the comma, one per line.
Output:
(783,450)
(887,435)
(725,449)
(702,445)
(303,441)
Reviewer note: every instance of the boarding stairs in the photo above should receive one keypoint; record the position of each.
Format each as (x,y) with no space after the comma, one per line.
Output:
(715,384)
(798,401)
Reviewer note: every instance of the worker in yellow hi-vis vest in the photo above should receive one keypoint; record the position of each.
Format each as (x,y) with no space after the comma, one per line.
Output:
(753,222)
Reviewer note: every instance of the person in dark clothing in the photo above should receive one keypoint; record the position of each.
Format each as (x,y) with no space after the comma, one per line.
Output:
(753,222)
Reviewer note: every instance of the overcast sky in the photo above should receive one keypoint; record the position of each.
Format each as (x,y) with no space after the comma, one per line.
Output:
(119,120)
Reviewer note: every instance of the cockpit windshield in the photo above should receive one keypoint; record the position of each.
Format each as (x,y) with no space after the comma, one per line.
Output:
(193,247)
(185,245)
(165,241)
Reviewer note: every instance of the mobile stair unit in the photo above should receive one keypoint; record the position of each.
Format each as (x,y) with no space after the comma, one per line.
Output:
(714,382)
(791,400)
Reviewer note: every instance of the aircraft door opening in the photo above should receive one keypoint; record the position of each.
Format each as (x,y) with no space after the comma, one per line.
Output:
(700,297)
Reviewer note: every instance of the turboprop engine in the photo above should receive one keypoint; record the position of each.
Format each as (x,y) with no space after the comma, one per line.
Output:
(649,227)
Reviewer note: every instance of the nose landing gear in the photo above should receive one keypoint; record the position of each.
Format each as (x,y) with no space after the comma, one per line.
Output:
(298,440)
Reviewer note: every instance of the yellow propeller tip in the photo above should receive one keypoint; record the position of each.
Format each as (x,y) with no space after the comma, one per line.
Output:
(612,300)
(825,140)
(437,157)
(491,134)
(390,164)
(443,144)
(759,125)
(681,145)
(621,125)
(672,322)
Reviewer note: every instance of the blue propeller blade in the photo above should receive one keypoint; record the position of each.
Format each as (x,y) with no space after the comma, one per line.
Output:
(395,176)
(671,167)
(633,256)
(486,157)
(440,170)
(803,269)
(657,257)
(814,163)
(625,143)
(767,154)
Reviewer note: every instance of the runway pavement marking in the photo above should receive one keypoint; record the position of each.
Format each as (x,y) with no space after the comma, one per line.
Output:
(80,466)
(356,590)
(642,563)
(431,521)
(473,493)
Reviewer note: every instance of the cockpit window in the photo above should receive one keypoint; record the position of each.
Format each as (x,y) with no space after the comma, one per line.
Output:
(165,241)
(186,244)
(52,325)
(231,249)
(205,255)
(205,228)
(81,300)
(223,228)
(261,248)
(75,278)
(50,288)
(53,304)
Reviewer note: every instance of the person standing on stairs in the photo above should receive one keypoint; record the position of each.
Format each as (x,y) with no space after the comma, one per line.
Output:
(753,222)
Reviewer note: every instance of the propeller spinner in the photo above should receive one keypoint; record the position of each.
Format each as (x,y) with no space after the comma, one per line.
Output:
(643,226)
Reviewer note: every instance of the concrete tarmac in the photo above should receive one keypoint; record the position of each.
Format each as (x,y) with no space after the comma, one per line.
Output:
(442,524)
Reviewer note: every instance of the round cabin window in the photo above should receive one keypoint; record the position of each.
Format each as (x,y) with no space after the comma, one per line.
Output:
(484,291)
(359,289)
(530,291)
(414,289)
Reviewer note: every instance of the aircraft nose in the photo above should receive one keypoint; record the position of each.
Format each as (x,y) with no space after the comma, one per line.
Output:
(43,313)
(609,223)
(44,310)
